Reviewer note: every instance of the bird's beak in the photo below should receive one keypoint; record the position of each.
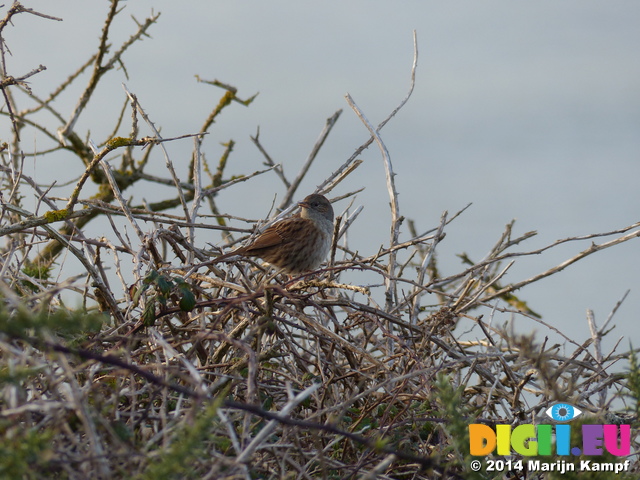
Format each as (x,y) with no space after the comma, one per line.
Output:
(303,204)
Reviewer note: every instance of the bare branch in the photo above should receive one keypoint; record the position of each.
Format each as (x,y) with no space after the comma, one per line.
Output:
(291,191)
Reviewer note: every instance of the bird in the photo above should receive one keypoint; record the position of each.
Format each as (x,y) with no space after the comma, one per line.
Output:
(296,244)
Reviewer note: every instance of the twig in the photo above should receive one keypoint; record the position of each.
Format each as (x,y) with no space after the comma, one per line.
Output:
(366,144)
(168,162)
(123,203)
(288,196)
(100,67)
(585,253)
(425,265)
(197,186)
(8,81)
(396,220)
(268,160)
(266,431)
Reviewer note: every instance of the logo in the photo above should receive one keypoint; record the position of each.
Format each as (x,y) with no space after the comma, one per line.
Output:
(563,412)
(530,440)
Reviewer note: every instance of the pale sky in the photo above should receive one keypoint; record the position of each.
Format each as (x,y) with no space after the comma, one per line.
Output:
(529,110)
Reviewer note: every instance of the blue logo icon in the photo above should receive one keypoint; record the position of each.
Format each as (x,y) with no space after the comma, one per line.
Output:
(563,412)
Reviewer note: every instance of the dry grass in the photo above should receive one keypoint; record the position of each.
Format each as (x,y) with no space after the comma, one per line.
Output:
(195,370)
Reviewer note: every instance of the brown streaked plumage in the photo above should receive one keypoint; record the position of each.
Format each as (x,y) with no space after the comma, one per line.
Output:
(297,244)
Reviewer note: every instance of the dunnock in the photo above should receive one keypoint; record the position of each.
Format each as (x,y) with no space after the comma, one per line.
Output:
(299,243)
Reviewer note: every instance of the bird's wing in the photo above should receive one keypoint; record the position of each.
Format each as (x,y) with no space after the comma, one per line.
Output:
(269,238)
(276,234)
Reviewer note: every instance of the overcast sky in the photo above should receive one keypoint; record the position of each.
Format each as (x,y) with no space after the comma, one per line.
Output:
(528,110)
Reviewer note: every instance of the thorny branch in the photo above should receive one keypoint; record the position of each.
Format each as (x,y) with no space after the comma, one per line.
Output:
(181,363)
